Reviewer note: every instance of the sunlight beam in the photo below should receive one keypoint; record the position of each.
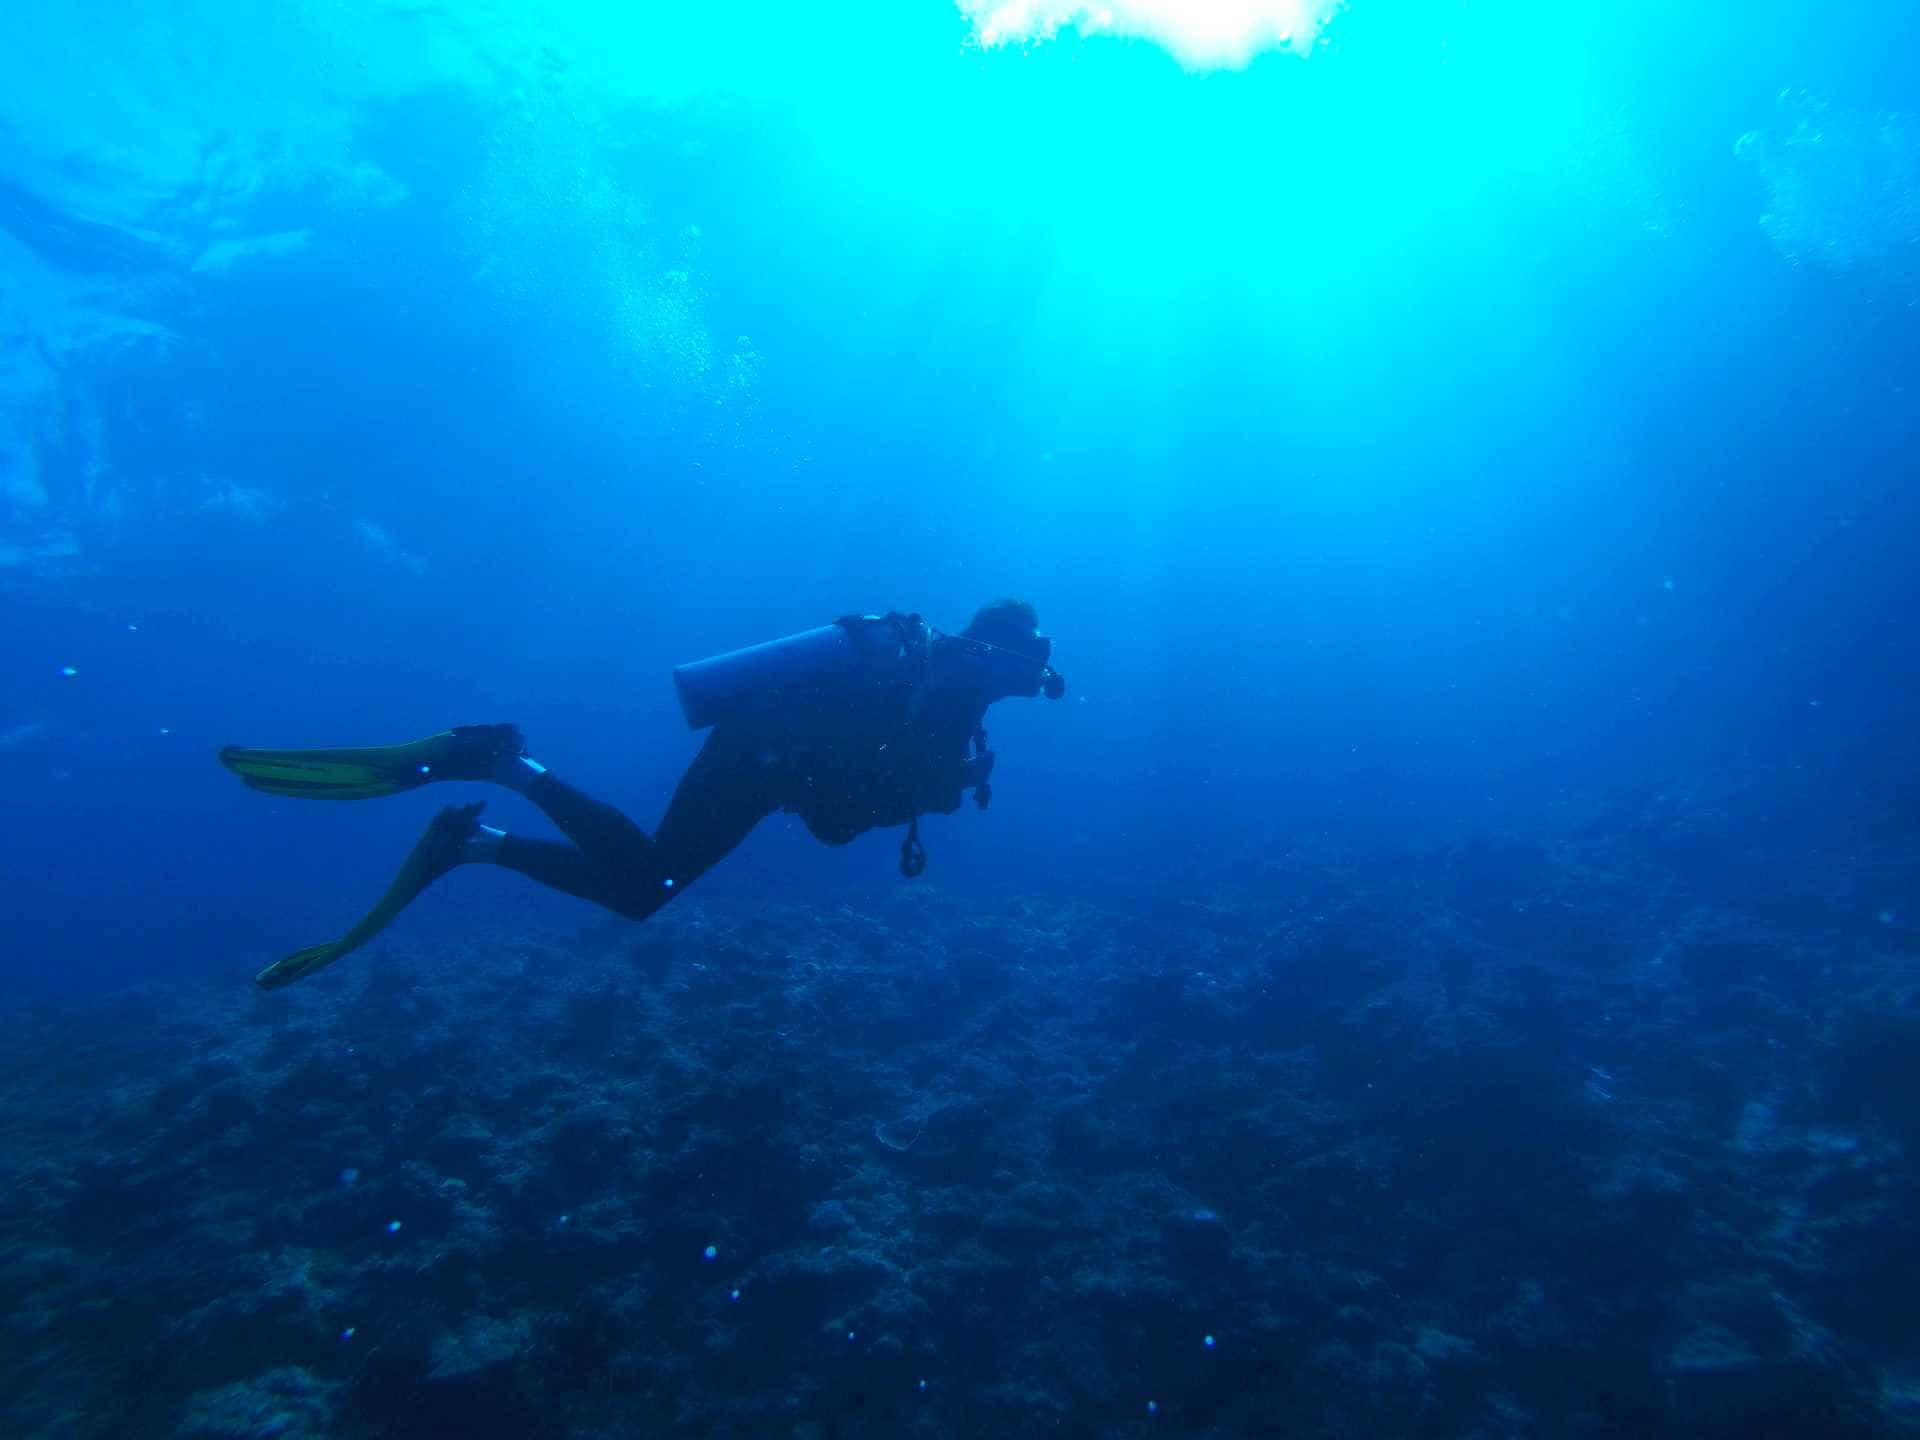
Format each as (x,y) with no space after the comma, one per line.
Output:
(1200,34)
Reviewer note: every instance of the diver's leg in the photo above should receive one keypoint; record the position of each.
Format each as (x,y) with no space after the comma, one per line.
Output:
(723,795)
(554,863)
(611,861)
(719,800)
(603,834)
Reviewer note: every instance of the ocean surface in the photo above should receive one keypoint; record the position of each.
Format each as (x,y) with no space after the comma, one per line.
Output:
(1449,966)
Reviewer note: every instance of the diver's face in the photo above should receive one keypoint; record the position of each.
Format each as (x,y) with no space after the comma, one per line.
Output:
(1017,670)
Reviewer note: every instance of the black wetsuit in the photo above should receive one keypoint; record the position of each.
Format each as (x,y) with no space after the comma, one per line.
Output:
(843,764)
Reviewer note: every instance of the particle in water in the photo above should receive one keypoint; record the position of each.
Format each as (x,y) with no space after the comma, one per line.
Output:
(712,1252)
(1153,1407)
(1208,1342)
(393,1227)
(733,1295)
(68,671)
(348,1333)
(349,1175)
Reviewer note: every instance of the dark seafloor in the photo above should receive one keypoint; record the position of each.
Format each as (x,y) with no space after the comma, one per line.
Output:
(1603,1133)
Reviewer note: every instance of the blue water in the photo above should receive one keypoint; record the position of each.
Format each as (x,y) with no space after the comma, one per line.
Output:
(1466,472)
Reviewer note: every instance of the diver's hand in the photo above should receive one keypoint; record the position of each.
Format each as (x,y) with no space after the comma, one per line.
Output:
(979,772)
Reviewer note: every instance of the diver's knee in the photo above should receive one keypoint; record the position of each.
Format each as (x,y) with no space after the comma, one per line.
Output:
(637,902)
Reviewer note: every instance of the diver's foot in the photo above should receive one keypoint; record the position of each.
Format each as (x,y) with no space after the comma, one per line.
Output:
(476,752)
(483,846)
(516,772)
(444,845)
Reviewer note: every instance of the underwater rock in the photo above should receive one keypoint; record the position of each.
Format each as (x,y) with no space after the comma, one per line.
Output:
(829,1217)
(1196,1239)
(481,1343)
(284,1404)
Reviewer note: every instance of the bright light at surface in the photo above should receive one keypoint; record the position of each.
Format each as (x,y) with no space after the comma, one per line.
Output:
(1201,34)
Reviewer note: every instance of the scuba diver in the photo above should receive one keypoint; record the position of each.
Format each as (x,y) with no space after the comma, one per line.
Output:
(874,720)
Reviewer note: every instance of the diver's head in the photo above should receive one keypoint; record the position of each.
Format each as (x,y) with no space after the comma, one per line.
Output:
(1004,643)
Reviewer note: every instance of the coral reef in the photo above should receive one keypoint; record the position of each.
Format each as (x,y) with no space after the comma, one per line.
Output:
(1504,1140)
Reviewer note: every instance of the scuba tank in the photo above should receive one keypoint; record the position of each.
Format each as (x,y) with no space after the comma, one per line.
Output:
(854,650)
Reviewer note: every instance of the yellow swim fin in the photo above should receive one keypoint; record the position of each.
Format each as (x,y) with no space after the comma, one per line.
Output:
(437,852)
(466,752)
